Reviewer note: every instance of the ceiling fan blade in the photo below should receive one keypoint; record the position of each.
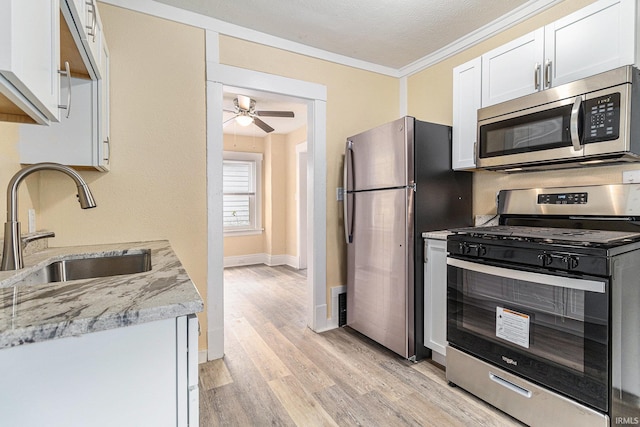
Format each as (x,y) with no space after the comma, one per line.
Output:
(226,122)
(262,125)
(229,111)
(275,113)
(244,102)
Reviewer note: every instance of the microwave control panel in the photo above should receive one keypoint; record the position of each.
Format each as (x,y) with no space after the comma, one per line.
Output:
(602,118)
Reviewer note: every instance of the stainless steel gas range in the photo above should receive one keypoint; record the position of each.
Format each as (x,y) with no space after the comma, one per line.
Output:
(543,311)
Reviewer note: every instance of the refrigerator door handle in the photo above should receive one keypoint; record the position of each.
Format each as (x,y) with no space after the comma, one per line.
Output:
(348,167)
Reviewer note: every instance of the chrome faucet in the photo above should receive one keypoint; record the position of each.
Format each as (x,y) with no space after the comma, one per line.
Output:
(12,252)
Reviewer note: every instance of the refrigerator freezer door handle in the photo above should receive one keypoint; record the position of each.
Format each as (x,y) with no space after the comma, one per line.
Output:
(347,167)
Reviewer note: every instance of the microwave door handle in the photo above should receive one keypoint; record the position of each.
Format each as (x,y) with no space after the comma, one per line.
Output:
(574,124)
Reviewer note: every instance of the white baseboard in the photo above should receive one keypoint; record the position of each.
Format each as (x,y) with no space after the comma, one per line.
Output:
(202,356)
(254,259)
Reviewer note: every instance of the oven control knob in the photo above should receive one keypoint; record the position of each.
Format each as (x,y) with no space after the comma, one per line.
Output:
(480,250)
(464,248)
(571,261)
(545,259)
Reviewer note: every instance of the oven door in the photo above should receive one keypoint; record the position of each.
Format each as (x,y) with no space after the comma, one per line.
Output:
(551,329)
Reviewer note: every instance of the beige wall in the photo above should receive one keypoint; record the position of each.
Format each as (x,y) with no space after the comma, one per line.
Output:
(430,98)
(156,188)
(293,139)
(356,100)
(9,165)
(275,194)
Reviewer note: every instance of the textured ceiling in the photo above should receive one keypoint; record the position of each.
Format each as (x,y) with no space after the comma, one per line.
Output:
(392,33)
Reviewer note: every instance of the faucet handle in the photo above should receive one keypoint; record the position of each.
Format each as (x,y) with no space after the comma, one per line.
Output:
(36,236)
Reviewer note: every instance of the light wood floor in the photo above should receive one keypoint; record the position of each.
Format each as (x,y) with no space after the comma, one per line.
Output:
(278,372)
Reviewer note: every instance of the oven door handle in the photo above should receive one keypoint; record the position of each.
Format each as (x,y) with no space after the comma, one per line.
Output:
(528,276)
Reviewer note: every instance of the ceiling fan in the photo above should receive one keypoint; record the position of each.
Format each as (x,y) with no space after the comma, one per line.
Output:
(246,113)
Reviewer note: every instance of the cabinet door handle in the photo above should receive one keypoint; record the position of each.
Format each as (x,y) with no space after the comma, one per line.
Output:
(547,73)
(67,73)
(92,27)
(536,76)
(108,156)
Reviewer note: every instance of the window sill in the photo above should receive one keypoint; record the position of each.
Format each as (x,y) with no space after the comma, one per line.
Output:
(235,233)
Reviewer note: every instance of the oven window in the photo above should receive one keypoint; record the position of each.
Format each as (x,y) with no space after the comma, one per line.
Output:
(545,321)
(532,132)
(555,334)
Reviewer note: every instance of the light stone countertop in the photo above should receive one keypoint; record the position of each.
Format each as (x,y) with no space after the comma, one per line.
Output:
(33,313)
(438,235)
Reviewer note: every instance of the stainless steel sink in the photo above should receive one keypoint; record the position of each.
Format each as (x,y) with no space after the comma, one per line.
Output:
(88,268)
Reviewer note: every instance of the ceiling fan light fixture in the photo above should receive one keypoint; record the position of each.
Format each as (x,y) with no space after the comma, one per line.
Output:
(244,119)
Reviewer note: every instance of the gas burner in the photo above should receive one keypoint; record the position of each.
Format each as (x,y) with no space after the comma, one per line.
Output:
(551,235)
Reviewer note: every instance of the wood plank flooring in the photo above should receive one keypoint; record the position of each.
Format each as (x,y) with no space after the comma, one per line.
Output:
(278,372)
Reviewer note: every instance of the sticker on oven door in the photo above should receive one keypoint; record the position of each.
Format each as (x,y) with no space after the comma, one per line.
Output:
(512,326)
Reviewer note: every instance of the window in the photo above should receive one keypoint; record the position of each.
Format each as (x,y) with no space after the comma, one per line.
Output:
(241,184)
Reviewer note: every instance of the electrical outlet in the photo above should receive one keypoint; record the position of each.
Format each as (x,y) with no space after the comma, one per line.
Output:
(631,176)
(32,221)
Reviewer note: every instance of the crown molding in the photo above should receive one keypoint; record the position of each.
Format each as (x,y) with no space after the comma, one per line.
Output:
(503,23)
(172,13)
(161,10)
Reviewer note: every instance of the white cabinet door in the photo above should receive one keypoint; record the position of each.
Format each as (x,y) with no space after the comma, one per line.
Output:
(126,376)
(29,56)
(188,396)
(82,139)
(84,20)
(74,140)
(466,101)
(104,109)
(597,38)
(435,296)
(513,69)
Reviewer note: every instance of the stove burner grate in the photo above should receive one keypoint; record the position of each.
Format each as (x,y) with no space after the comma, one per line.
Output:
(547,234)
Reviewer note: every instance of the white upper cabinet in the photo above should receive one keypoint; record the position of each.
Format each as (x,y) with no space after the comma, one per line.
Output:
(103,109)
(81,138)
(29,55)
(85,16)
(513,69)
(466,101)
(595,39)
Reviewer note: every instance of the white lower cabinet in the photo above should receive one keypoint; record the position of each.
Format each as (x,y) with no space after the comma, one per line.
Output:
(141,375)
(435,298)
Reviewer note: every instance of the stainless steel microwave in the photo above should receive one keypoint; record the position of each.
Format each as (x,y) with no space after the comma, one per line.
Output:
(595,120)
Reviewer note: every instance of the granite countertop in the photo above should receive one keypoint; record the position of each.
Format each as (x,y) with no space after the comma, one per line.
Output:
(33,313)
(438,235)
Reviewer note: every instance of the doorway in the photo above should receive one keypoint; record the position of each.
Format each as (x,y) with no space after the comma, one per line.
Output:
(314,95)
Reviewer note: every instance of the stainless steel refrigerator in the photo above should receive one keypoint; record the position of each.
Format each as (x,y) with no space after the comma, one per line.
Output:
(398,184)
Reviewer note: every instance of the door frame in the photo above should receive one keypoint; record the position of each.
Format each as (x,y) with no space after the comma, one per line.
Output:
(301,205)
(315,95)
